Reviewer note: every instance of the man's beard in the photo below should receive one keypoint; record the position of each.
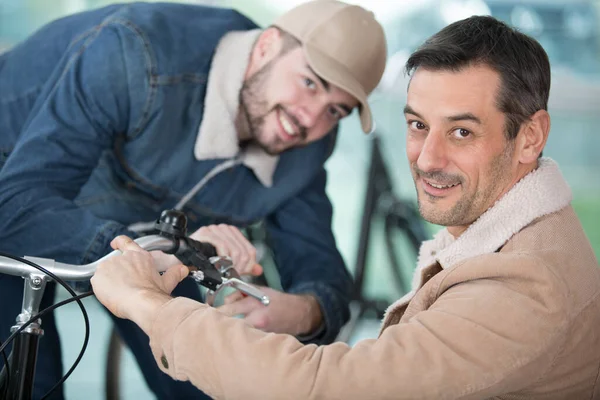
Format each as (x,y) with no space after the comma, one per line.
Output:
(254,107)
(469,206)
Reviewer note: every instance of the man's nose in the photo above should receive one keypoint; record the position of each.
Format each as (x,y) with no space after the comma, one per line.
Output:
(433,155)
(310,112)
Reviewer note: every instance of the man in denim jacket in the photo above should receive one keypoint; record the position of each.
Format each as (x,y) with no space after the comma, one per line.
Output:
(110,116)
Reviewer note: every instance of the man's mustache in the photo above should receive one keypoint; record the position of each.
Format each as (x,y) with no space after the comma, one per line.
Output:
(439,177)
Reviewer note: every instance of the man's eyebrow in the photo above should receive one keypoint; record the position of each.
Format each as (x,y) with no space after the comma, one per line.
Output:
(453,118)
(347,109)
(323,81)
(464,117)
(408,110)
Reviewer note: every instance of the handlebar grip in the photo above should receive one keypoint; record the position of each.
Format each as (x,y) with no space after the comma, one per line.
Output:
(204,248)
(196,255)
(173,225)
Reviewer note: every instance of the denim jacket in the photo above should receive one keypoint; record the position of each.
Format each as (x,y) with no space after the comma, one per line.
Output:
(99,113)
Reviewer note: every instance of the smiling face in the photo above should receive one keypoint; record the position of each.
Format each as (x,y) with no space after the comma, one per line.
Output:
(460,157)
(283,103)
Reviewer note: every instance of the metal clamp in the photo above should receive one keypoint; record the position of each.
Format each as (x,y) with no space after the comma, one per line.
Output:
(231,278)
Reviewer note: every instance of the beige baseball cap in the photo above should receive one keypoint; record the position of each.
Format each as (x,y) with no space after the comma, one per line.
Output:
(343,44)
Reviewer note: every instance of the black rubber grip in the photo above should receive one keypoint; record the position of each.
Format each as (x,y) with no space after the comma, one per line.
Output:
(206,249)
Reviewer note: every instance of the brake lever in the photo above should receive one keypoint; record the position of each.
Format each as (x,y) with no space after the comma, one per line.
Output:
(231,278)
(206,268)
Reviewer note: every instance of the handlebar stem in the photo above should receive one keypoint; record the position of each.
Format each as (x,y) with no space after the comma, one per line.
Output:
(33,291)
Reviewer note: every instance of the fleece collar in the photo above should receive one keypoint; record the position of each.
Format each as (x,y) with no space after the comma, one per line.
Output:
(541,192)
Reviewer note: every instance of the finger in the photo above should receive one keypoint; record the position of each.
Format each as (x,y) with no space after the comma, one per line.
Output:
(124,243)
(234,249)
(205,234)
(238,250)
(172,276)
(247,259)
(258,320)
(257,270)
(242,307)
(232,298)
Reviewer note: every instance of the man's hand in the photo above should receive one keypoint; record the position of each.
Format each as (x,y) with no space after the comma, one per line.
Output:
(229,241)
(164,261)
(129,284)
(286,313)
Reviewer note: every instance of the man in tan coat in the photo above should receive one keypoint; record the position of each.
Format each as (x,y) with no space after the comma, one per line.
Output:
(506,299)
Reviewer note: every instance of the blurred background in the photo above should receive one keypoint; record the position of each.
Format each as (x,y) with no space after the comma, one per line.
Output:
(569,30)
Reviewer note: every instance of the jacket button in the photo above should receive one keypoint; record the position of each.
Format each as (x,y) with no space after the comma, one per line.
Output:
(164,361)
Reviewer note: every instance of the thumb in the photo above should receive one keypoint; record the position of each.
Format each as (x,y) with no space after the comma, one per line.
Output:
(124,243)
(173,275)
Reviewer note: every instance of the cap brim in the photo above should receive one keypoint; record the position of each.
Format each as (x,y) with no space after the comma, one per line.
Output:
(335,73)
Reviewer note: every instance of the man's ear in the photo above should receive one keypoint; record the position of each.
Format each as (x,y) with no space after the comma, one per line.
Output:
(266,48)
(533,136)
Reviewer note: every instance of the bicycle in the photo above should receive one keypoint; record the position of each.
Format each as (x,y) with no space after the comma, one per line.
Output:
(206,268)
(400,217)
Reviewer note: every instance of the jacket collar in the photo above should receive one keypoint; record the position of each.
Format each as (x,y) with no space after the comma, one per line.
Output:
(541,192)
(217,137)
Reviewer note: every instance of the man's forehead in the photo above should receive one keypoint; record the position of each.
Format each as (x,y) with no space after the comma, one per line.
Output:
(450,93)
(479,78)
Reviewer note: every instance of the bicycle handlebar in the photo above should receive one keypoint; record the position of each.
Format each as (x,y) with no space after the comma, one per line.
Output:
(71,272)
(205,266)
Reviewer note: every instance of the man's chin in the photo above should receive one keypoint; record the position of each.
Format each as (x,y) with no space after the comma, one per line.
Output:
(433,213)
(273,152)
(435,218)
(271,149)
(275,146)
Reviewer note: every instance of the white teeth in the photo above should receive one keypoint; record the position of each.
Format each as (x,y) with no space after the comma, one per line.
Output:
(287,126)
(442,186)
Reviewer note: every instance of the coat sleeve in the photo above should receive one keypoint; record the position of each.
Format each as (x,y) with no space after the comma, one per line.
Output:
(307,257)
(479,339)
(83,106)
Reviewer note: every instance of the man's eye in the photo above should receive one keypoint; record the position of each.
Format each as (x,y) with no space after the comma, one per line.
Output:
(461,133)
(335,113)
(416,125)
(309,83)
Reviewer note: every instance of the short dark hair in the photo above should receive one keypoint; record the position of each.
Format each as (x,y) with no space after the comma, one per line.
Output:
(520,61)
